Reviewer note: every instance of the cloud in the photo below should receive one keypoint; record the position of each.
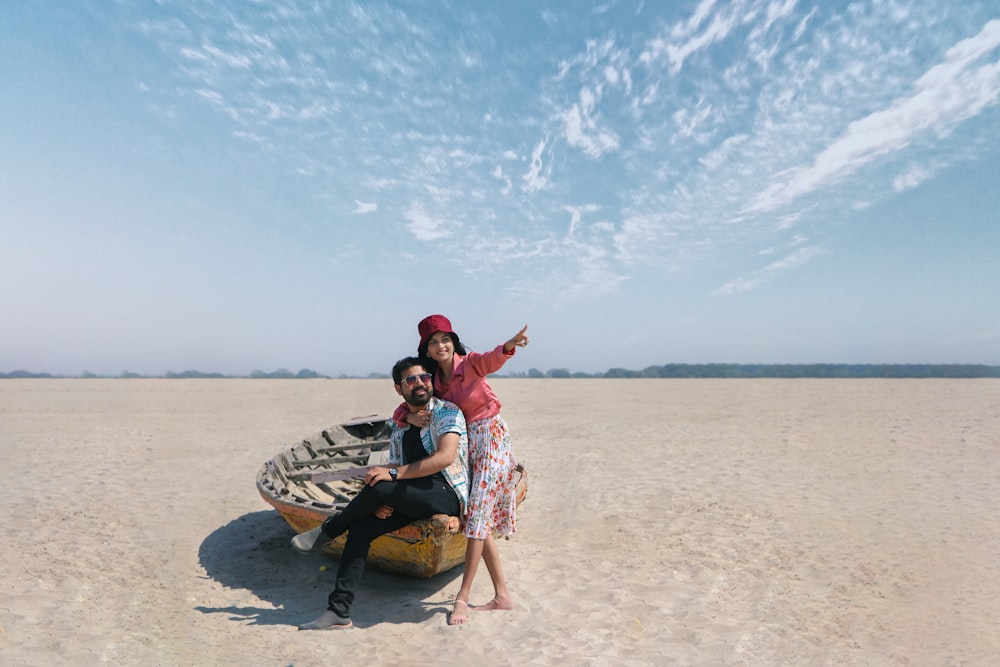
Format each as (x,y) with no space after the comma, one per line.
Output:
(574,215)
(585,273)
(913,177)
(944,96)
(500,176)
(692,140)
(788,221)
(688,122)
(423,226)
(639,233)
(701,12)
(683,41)
(581,127)
(537,177)
(215,99)
(364,207)
(798,258)
(595,277)
(215,57)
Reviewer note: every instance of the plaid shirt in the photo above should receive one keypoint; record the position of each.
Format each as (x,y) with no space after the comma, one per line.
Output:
(445,418)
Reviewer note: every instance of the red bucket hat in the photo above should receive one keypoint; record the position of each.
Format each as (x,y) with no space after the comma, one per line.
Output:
(430,324)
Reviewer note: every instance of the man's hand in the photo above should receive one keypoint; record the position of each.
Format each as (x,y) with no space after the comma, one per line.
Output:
(383,512)
(377,474)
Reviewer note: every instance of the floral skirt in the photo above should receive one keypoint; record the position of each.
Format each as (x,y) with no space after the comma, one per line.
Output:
(492,499)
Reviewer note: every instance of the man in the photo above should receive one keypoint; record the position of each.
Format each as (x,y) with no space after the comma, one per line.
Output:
(427,474)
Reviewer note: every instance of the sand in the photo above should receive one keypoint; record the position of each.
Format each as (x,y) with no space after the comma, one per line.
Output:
(688,522)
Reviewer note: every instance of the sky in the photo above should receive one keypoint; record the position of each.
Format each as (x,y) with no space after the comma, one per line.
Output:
(239,186)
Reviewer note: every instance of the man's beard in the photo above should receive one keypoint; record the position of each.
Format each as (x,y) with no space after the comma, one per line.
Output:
(419,401)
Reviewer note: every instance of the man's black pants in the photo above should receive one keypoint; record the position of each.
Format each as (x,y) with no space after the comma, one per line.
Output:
(410,499)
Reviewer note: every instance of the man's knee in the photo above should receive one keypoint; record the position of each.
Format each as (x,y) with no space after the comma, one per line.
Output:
(383,492)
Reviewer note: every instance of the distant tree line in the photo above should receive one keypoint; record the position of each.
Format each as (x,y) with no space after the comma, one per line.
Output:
(25,374)
(665,371)
(783,371)
(285,374)
(281,373)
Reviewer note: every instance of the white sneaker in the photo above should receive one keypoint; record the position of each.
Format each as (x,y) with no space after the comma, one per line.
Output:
(304,542)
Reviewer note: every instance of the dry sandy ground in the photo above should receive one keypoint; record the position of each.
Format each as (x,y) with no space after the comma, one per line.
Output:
(688,522)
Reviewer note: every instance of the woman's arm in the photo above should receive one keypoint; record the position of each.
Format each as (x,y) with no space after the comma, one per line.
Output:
(492,361)
(520,339)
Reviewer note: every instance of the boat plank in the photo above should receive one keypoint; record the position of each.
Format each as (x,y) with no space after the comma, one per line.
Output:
(331,447)
(336,492)
(327,460)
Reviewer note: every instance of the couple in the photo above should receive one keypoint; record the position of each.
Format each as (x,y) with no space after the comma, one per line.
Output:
(436,468)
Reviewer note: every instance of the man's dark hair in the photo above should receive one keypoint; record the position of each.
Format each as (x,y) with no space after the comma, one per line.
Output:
(402,365)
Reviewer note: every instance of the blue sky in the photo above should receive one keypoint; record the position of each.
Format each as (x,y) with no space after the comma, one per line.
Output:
(230,186)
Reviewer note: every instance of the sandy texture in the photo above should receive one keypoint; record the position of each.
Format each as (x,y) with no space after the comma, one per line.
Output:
(680,522)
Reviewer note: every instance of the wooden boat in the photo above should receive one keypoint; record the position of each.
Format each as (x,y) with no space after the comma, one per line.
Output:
(289,483)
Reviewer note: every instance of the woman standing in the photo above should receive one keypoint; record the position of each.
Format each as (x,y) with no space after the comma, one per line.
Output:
(460,377)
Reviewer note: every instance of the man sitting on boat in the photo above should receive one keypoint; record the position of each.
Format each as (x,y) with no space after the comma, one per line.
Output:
(427,474)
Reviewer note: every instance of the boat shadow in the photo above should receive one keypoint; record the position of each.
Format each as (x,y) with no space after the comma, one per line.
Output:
(252,553)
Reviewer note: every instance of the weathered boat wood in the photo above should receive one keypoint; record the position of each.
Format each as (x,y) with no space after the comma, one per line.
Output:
(421,549)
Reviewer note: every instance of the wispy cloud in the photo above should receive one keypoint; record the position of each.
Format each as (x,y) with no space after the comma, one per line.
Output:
(694,135)
(594,277)
(424,226)
(364,207)
(583,129)
(537,176)
(574,213)
(689,37)
(943,97)
(584,272)
(499,174)
(795,259)
(911,178)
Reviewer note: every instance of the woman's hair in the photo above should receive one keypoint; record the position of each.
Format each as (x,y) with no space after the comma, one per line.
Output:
(432,365)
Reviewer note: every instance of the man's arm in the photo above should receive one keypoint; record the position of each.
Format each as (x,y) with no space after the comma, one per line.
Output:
(447,448)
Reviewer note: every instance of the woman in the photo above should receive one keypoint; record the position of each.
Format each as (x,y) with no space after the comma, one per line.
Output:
(460,377)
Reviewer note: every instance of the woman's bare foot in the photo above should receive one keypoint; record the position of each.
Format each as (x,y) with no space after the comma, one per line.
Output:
(496,604)
(460,614)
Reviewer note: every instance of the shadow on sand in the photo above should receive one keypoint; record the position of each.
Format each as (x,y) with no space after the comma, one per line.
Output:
(253,553)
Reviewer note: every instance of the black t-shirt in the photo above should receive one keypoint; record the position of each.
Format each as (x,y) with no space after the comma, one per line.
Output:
(413,450)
